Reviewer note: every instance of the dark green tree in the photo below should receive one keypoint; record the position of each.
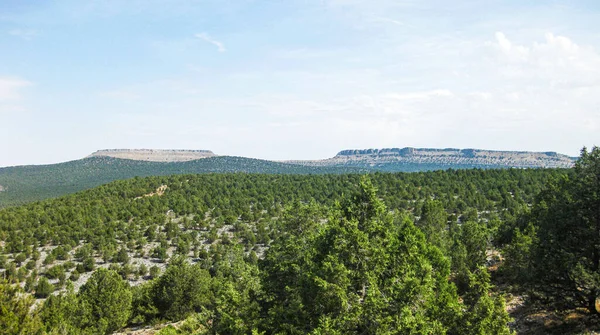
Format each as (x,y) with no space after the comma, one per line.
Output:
(106,300)
(236,285)
(62,314)
(143,309)
(365,272)
(43,288)
(485,314)
(182,290)
(565,256)
(433,223)
(122,256)
(154,271)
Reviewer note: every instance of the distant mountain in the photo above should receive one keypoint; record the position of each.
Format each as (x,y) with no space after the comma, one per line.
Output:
(155,155)
(418,159)
(23,184)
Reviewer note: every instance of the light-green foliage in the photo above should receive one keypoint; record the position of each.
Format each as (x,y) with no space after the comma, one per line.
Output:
(62,314)
(485,314)
(235,284)
(168,330)
(338,260)
(16,317)
(433,223)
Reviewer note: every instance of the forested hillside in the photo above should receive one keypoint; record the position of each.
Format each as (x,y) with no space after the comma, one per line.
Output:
(22,184)
(405,253)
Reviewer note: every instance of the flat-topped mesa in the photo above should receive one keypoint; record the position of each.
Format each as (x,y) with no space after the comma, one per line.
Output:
(155,155)
(458,156)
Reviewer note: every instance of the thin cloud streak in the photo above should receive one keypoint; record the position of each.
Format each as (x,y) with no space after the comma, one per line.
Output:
(205,37)
(396,22)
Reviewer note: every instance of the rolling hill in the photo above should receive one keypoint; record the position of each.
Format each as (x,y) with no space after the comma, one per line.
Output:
(22,184)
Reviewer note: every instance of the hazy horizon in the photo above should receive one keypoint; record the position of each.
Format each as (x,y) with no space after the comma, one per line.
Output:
(275,160)
(296,79)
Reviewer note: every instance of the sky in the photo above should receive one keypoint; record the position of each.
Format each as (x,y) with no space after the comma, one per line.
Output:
(296,79)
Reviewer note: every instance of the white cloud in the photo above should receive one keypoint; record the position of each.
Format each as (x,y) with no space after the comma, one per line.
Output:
(204,36)
(11,98)
(389,20)
(480,95)
(501,95)
(494,95)
(25,34)
(558,60)
(507,95)
(513,53)
(425,95)
(10,88)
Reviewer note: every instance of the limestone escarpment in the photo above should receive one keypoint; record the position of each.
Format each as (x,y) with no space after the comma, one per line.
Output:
(448,158)
(155,155)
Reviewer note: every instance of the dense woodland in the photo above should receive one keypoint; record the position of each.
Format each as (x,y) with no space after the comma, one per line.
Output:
(384,253)
(23,184)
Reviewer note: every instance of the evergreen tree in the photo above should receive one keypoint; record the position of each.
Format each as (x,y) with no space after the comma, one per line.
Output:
(433,223)
(236,286)
(62,314)
(15,312)
(365,272)
(181,290)
(106,301)
(485,314)
(565,257)
(43,288)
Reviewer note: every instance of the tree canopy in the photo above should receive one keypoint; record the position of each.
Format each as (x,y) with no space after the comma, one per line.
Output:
(558,255)
(290,254)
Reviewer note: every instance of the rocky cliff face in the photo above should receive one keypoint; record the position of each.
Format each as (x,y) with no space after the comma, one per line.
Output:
(391,159)
(152,155)
(419,159)
(517,159)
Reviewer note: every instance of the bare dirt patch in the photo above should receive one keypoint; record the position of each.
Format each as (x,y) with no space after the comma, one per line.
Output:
(159,192)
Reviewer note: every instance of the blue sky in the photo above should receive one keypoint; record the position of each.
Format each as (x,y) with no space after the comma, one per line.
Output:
(296,79)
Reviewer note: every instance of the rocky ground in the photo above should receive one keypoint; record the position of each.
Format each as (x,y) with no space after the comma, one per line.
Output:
(537,320)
